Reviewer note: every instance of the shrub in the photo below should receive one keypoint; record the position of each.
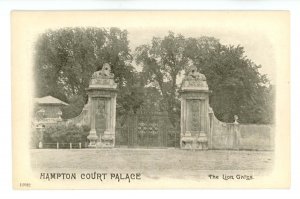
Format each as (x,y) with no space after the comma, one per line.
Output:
(65,134)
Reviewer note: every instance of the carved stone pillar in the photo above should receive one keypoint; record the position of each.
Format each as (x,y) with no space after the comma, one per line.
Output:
(40,128)
(92,137)
(102,108)
(237,133)
(195,126)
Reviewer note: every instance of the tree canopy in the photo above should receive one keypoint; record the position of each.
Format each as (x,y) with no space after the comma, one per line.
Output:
(162,61)
(66,59)
(236,84)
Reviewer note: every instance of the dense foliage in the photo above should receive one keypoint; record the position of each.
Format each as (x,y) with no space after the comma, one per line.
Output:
(162,61)
(236,84)
(65,134)
(66,58)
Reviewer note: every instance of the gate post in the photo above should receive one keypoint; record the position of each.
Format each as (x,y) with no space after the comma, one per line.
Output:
(194,111)
(237,134)
(102,94)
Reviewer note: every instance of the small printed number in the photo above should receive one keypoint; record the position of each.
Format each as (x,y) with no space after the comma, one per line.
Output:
(25,184)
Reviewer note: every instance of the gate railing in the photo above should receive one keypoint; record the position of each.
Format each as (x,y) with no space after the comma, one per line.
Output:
(147,130)
(61,145)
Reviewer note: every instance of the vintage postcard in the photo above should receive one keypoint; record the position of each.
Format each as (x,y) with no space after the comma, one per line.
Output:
(150,99)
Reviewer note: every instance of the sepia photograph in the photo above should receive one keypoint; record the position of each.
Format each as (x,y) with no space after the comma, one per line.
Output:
(150,99)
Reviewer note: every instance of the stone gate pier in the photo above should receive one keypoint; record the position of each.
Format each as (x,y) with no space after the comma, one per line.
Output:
(200,129)
(102,93)
(194,92)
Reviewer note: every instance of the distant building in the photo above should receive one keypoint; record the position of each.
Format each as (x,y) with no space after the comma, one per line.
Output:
(48,110)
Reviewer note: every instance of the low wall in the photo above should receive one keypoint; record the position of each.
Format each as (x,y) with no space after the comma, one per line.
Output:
(241,136)
(257,137)
(224,135)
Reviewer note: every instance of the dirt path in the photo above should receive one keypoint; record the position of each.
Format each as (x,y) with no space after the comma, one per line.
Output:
(152,163)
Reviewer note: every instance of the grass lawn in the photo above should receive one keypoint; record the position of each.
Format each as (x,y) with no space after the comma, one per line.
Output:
(152,163)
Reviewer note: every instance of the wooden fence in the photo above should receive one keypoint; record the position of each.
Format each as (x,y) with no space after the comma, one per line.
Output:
(62,145)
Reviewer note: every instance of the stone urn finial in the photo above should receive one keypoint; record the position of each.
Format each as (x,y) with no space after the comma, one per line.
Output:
(236,119)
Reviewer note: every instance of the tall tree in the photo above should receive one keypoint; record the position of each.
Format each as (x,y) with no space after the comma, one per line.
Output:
(66,58)
(236,84)
(162,61)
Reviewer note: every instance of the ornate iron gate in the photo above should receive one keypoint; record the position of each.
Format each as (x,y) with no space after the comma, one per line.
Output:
(147,131)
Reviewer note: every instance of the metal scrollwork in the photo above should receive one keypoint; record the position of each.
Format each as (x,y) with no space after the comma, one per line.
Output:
(151,128)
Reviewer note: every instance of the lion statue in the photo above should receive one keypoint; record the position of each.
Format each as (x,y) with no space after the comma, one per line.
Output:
(193,74)
(104,73)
